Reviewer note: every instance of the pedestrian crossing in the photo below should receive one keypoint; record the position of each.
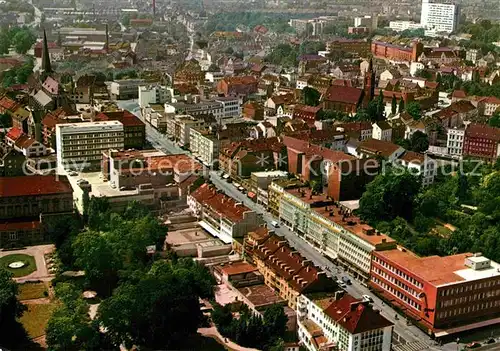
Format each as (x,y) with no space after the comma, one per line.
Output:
(412,346)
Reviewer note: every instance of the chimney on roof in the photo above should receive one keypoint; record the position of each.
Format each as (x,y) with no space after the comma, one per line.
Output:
(354,306)
(305,263)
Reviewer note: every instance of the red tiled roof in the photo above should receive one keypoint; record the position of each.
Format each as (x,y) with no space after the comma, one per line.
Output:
(239,267)
(24,142)
(14,134)
(307,109)
(356,126)
(492,100)
(459,94)
(34,185)
(243,80)
(222,204)
(125,117)
(50,121)
(375,146)
(355,315)
(312,150)
(8,104)
(482,131)
(344,94)
(413,157)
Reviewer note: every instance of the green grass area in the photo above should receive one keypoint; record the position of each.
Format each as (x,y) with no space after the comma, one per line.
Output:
(30,291)
(35,318)
(29,261)
(441,230)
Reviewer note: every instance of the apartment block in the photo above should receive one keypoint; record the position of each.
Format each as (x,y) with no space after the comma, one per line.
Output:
(439,16)
(338,321)
(287,272)
(332,229)
(259,185)
(446,295)
(179,126)
(125,88)
(221,215)
(196,108)
(80,145)
(205,145)
(455,141)
(275,193)
(154,94)
(482,141)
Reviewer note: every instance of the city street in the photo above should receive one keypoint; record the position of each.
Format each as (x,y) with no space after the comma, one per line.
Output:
(410,334)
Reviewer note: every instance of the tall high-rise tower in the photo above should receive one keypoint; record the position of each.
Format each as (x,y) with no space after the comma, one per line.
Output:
(439,15)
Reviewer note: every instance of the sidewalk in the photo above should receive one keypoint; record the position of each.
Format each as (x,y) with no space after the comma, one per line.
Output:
(214,333)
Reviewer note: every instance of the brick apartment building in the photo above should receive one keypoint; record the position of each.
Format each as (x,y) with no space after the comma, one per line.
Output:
(25,205)
(461,294)
(395,52)
(357,46)
(134,130)
(482,141)
(288,272)
(234,86)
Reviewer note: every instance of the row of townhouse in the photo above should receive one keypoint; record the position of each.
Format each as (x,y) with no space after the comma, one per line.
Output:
(328,318)
(332,229)
(474,140)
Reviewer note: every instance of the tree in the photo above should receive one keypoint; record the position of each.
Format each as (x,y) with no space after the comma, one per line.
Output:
(391,194)
(380,107)
(317,186)
(94,254)
(414,110)
(401,105)
(10,309)
(423,73)
(394,105)
(419,141)
(23,41)
(161,310)
(4,43)
(70,327)
(275,321)
(310,96)
(5,120)
(494,120)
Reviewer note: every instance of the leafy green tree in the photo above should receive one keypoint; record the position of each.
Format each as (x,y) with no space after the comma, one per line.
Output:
(275,321)
(310,96)
(4,43)
(10,308)
(494,120)
(394,105)
(419,141)
(160,311)
(401,105)
(391,194)
(23,40)
(414,110)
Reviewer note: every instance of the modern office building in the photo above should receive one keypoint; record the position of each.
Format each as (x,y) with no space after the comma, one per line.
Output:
(125,88)
(205,145)
(154,94)
(446,295)
(439,15)
(80,145)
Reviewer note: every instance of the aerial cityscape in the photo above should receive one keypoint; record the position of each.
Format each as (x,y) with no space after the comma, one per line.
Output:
(250,175)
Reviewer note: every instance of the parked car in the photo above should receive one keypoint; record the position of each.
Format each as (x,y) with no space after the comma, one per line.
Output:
(275,224)
(341,284)
(346,280)
(367,298)
(473,345)
(72,173)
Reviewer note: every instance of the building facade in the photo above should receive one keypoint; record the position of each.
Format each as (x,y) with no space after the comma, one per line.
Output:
(338,321)
(439,16)
(205,146)
(455,141)
(464,290)
(80,145)
(482,141)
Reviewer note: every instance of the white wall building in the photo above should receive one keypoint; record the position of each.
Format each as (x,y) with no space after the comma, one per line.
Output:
(400,26)
(382,131)
(334,322)
(196,108)
(231,107)
(154,94)
(420,164)
(439,16)
(125,88)
(80,145)
(455,141)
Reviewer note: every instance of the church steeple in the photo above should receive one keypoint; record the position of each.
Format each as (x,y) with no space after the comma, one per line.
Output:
(46,66)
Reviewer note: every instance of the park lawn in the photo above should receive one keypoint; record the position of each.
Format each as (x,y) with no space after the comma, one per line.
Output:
(30,291)
(30,264)
(35,318)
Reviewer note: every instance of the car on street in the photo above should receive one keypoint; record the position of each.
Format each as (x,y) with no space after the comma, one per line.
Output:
(72,173)
(341,284)
(346,280)
(275,224)
(367,298)
(473,345)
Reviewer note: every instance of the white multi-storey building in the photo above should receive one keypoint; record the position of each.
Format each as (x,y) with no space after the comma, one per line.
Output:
(455,141)
(400,26)
(196,108)
(154,94)
(231,107)
(439,15)
(125,88)
(338,321)
(421,165)
(80,145)
(204,145)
